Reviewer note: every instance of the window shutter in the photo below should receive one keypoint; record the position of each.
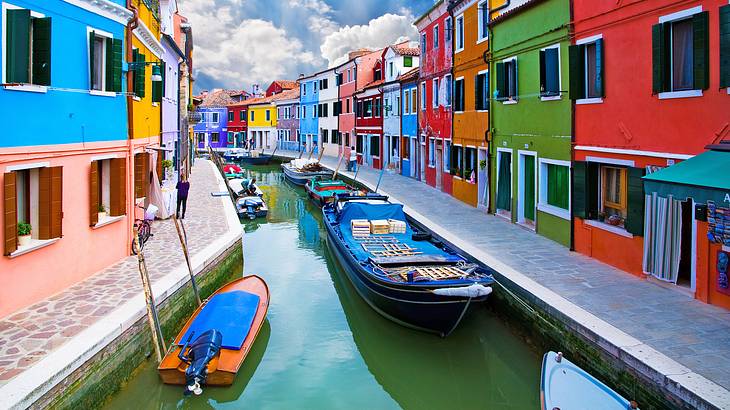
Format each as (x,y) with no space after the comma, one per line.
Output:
(552,72)
(118,185)
(159,163)
(576,66)
(92,72)
(543,73)
(516,84)
(117,55)
(500,81)
(139,171)
(725,46)
(139,76)
(579,188)
(18,45)
(94,193)
(658,51)
(10,217)
(163,71)
(634,223)
(42,51)
(477,92)
(600,74)
(701,38)
(56,202)
(44,203)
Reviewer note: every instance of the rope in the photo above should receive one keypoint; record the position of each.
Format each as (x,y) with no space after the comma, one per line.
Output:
(525,304)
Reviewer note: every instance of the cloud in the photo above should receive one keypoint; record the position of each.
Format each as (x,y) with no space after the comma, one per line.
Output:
(379,32)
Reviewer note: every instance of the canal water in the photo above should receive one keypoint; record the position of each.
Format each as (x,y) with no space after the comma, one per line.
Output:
(322,347)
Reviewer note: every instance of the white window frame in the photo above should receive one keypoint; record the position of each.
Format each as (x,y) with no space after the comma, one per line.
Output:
(670,18)
(448,21)
(449,89)
(435,93)
(432,152)
(584,41)
(459,47)
(447,155)
(560,76)
(423,96)
(482,37)
(457,79)
(513,100)
(407,101)
(486,73)
(33,88)
(542,204)
(105,35)
(436,35)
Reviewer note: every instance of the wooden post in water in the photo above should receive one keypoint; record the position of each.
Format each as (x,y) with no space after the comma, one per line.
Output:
(184,243)
(338,166)
(311,151)
(154,322)
(380,178)
(321,152)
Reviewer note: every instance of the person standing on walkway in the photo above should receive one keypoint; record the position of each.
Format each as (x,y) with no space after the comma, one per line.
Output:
(353,159)
(183,187)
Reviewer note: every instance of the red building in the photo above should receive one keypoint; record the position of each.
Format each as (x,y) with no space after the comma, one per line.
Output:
(646,81)
(279,86)
(435,85)
(347,83)
(237,122)
(368,105)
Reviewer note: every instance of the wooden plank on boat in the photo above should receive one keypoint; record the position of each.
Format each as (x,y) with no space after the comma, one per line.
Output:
(416,260)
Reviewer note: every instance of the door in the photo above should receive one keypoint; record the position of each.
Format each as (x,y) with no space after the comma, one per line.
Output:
(385,155)
(483,184)
(366,150)
(414,156)
(422,158)
(504,183)
(439,164)
(684,274)
(528,190)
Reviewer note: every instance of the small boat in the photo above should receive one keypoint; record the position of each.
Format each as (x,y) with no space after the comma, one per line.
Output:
(211,347)
(234,154)
(566,386)
(240,185)
(256,158)
(232,171)
(413,280)
(251,207)
(324,192)
(299,171)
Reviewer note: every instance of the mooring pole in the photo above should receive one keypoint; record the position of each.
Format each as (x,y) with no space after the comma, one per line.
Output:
(338,166)
(154,321)
(321,152)
(380,178)
(311,151)
(184,243)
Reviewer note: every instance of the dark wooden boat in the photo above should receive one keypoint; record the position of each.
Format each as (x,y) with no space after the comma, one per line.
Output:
(236,311)
(295,171)
(252,158)
(324,191)
(422,284)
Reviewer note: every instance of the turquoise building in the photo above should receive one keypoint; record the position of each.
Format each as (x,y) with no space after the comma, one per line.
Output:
(308,115)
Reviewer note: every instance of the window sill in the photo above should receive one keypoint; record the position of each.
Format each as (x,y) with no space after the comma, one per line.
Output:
(135,98)
(103,93)
(458,50)
(554,210)
(31,88)
(680,94)
(552,98)
(34,245)
(610,228)
(586,101)
(432,166)
(481,40)
(482,110)
(458,112)
(509,102)
(107,221)
(154,104)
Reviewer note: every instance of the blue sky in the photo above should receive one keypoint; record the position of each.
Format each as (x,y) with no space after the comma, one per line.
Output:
(239,43)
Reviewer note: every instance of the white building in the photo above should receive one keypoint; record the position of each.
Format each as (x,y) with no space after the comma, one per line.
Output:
(399,59)
(327,113)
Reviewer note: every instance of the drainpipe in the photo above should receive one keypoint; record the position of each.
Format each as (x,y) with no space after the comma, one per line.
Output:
(131,26)
(572,145)
(178,146)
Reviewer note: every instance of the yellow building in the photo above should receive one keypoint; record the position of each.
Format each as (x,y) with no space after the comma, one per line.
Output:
(262,121)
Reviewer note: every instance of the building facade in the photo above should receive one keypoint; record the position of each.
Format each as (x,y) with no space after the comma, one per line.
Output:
(327,115)
(347,86)
(308,120)
(468,153)
(287,125)
(369,119)
(170,93)
(531,160)
(212,130)
(365,74)
(262,122)
(238,123)
(409,124)
(436,29)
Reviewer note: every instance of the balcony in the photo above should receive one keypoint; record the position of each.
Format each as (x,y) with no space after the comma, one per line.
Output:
(194,117)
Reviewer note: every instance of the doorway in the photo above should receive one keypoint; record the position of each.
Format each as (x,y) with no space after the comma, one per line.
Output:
(439,164)
(504,182)
(422,159)
(386,151)
(527,181)
(413,157)
(482,183)
(684,274)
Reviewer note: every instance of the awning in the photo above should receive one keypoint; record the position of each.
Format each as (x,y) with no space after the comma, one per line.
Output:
(705,177)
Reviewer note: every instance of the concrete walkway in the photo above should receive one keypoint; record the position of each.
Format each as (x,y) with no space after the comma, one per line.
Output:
(692,333)
(31,339)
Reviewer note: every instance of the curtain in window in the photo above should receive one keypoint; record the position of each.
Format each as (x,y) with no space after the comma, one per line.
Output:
(662,237)
(682,61)
(504,187)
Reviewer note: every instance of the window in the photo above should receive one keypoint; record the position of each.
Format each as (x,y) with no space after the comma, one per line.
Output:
(397,105)
(268,115)
(138,76)
(368,108)
(470,165)
(304,89)
(325,136)
(447,29)
(459,95)
(459,33)
(407,61)
(242,115)
(374,146)
(215,117)
(96,47)
(457,152)
(406,101)
(431,152)
(507,80)
(347,104)
(347,139)
(447,155)
(423,96)
(28,48)
(436,36)
(613,192)
(230,138)
(336,137)
(481,102)
(378,75)
(448,89)
(423,43)
(405,151)
(214,138)
(554,195)
(680,53)
(414,99)
(435,93)
(378,107)
(230,115)
(550,72)
(483,10)
(390,69)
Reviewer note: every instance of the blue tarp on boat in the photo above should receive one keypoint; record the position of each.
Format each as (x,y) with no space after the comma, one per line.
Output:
(231,313)
(355,210)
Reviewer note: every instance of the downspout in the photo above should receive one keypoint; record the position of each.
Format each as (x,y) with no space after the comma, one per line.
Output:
(132,25)
(572,145)
(178,148)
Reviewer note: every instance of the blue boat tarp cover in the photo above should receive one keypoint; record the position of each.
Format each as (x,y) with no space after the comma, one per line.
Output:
(231,313)
(355,210)
(567,387)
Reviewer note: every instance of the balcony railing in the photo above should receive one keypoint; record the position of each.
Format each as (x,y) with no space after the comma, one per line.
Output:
(194,117)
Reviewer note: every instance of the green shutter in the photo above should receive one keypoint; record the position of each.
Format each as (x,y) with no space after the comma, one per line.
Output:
(576,64)
(163,71)
(109,65)
(477,93)
(543,74)
(658,53)
(18,46)
(139,76)
(117,55)
(725,46)
(634,223)
(600,69)
(92,37)
(500,86)
(701,38)
(585,190)
(42,51)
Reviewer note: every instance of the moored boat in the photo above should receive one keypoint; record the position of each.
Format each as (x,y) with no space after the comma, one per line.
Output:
(566,386)
(232,171)
(324,191)
(299,171)
(251,207)
(234,154)
(213,344)
(255,158)
(240,186)
(422,284)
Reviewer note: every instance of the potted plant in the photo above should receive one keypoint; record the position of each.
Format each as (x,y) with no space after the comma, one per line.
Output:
(24,230)
(167,169)
(102,211)
(483,164)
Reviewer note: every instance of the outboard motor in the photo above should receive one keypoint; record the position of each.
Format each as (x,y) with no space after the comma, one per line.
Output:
(199,354)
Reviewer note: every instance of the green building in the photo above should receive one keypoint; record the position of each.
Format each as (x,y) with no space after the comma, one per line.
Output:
(530,153)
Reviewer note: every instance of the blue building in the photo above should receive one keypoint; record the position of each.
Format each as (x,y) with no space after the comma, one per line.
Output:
(212,130)
(409,124)
(309,117)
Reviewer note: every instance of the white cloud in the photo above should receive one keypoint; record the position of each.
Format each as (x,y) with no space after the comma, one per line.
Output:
(380,32)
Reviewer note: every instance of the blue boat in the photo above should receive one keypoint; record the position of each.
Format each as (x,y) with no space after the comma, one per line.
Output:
(566,386)
(405,276)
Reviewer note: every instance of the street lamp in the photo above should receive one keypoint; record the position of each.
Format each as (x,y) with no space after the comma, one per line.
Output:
(156,74)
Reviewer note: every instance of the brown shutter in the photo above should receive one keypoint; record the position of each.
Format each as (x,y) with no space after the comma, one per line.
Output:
(139,175)
(94,193)
(56,202)
(44,203)
(11,213)
(159,165)
(118,187)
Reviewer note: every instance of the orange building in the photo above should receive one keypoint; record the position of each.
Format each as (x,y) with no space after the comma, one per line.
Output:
(469,152)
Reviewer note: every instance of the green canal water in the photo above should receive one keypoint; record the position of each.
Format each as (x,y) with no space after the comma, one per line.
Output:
(322,347)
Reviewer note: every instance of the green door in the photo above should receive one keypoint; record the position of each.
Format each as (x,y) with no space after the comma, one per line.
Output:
(504,183)
(529,187)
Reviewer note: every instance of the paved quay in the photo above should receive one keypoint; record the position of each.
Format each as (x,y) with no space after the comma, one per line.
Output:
(684,340)
(39,343)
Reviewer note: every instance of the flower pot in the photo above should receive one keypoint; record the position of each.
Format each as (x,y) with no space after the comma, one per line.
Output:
(102,215)
(24,240)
